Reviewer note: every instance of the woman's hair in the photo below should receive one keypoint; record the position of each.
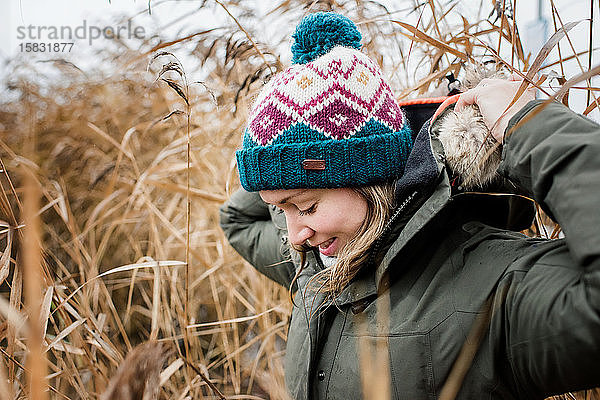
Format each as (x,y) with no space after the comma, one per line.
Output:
(331,280)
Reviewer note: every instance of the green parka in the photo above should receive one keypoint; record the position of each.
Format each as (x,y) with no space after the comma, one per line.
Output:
(447,259)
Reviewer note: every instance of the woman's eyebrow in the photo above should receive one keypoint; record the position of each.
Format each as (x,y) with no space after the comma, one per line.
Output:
(286,199)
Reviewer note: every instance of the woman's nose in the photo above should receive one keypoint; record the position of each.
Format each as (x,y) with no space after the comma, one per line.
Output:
(298,233)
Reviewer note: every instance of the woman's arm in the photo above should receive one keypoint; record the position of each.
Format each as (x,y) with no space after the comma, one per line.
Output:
(247,224)
(553,313)
(556,156)
(550,318)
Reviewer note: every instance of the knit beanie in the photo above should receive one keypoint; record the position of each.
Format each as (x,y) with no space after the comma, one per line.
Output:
(328,121)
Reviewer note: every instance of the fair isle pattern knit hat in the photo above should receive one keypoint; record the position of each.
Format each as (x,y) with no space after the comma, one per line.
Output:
(328,121)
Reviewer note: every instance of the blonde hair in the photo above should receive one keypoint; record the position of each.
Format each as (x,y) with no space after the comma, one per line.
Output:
(352,257)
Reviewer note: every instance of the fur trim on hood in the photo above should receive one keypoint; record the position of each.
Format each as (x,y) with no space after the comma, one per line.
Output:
(471,152)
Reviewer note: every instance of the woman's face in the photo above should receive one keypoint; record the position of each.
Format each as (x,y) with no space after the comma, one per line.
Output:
(323,218)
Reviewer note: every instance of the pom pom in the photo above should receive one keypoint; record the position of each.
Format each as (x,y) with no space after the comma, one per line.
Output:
(318,33)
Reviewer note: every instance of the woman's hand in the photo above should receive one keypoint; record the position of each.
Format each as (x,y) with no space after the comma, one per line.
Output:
(493,96)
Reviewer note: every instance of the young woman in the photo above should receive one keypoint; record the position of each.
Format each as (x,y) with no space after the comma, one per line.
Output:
(398,236)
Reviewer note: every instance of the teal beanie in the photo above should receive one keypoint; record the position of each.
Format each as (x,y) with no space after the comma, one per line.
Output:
(328,121)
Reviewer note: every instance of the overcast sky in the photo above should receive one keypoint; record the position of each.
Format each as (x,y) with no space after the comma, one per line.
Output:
(17,15)
(72,13)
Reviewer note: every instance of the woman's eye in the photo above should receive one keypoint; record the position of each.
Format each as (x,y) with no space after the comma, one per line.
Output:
(308,211)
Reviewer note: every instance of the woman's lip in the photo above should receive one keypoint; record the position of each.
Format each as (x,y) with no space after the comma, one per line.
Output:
(330,249)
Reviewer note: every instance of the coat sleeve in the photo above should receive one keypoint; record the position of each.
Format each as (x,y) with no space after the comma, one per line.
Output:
(552,316)
(246,221)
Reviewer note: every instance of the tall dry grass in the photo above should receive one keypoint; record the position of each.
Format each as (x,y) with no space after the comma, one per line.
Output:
(111,184)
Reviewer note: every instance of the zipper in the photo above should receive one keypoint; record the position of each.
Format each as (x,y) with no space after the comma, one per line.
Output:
(388,227)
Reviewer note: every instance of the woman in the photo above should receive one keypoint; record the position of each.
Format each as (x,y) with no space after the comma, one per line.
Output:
(398,239)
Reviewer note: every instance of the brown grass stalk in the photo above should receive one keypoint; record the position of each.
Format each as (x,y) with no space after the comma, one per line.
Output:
(32,267)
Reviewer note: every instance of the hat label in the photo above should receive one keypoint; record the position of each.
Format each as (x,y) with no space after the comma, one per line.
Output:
(313,165)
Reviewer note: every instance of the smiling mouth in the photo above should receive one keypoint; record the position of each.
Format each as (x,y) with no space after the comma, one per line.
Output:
(328,247)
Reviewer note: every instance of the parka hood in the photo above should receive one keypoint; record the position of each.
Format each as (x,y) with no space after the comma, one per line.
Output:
(472,154)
